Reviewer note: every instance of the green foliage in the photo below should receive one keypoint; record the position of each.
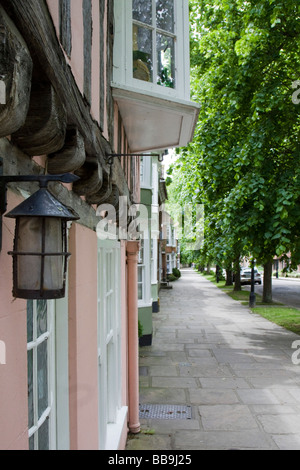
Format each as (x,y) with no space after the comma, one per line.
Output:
(140,329)
(244,162)
(176,272)
(172,278)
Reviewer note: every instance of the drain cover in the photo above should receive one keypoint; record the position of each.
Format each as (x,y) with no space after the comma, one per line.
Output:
(166,411)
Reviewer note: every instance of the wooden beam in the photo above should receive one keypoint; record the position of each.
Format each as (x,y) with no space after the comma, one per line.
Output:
(71,157)
(16,73)
(15,162)
(35,24)
(45,126)
(91,179)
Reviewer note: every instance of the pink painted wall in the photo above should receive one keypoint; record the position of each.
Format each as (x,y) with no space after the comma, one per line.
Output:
(83,347)
(13,332)
(53,6)
(103,59)
(77,56)
(76,61)
(95,104)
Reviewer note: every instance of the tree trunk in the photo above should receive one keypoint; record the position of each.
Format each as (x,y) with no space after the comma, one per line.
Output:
(229,277)
(267,284)
(237,274)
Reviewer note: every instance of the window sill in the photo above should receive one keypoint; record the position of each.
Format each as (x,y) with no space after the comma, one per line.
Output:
(143,303)
(114,430)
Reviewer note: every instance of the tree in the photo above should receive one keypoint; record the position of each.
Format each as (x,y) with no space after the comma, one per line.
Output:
(244,161)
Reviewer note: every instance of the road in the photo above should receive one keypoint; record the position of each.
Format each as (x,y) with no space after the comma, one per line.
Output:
(286,291)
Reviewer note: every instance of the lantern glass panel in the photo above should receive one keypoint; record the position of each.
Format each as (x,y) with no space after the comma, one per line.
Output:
(38,235)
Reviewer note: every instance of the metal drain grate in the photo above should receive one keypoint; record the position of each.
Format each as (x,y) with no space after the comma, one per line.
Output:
(166,411)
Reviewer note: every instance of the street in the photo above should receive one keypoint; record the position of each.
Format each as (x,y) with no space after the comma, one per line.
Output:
(217,376)
(286,291)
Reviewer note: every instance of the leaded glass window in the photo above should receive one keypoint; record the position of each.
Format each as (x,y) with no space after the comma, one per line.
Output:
(154,40)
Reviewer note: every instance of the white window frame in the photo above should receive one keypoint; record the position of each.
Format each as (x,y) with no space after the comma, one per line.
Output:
(154,256)
(142,170)
(50,412)
(168,259)
(155,30)
(112,414)
(146,181)
(155,184)
(124,58)
(145,265)
(141,271)
(168,235)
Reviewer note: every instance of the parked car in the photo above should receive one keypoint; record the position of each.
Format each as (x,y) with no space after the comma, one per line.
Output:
(246,276)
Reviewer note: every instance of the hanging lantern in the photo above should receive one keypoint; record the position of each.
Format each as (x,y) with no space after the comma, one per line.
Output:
(40,246)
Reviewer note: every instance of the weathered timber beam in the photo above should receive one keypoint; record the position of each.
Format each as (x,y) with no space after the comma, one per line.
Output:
(91,179)
(71,157)
(103,194)
(45,126)
(15,77)
(15,162)
(35,24)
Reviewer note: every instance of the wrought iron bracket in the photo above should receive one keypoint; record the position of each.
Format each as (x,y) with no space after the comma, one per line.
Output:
(110,156)
(43,181)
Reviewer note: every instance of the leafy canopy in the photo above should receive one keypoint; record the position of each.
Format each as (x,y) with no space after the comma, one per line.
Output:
(244,162)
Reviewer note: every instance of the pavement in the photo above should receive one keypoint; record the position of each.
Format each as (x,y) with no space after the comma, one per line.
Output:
(236,373)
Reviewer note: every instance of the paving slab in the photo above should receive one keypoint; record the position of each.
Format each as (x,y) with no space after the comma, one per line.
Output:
(232,367)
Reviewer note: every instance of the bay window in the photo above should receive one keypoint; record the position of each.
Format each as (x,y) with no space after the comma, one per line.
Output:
(154,41)
(151,78)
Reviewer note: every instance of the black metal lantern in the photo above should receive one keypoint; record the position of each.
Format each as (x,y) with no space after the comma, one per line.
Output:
(40,244)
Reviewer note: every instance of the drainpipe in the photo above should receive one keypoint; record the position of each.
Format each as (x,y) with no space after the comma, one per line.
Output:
(132,249)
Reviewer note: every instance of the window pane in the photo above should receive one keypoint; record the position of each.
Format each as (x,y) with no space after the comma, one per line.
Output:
(30,388)
(44,436)
(142,54)
(141,253)
(165,61)
(31,443)
(165,15)
(140,292)
(142,11)
(42,378)
(41,312)
(108,272)
(109,307)
(142,169)
(140,273)
(29,321)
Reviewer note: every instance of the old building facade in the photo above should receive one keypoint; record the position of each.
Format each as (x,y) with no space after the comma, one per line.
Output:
(82,92)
